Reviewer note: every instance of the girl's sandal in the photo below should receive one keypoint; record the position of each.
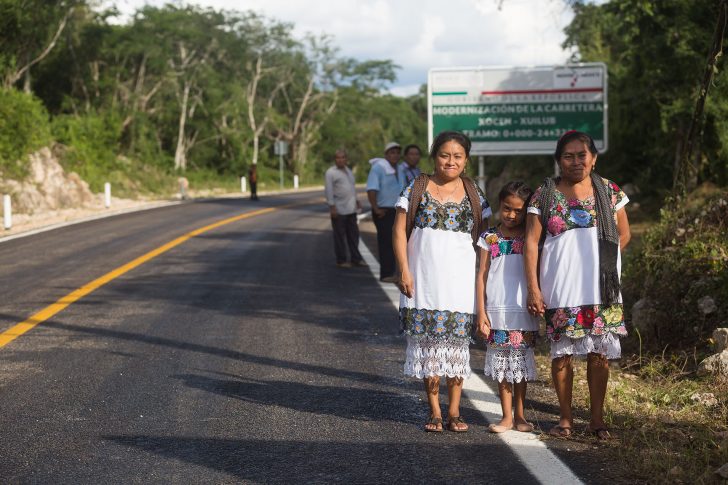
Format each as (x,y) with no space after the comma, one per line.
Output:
(456,424)
(434,425)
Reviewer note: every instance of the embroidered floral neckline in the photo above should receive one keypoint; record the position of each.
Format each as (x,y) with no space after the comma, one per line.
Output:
(432,198)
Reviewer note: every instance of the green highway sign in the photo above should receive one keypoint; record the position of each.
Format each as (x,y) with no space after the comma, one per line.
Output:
(519,110)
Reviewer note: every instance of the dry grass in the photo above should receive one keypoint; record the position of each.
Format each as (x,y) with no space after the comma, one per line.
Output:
(663,434)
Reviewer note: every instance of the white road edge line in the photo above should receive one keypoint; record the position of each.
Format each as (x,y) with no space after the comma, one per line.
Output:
(533,453)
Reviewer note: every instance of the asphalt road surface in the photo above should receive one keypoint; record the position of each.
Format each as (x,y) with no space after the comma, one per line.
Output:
(241,355)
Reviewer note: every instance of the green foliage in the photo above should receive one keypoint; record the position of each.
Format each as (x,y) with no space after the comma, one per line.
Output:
(24,128)
(189,88)
(364,124)
(656,52)
(91,149)
(92,143)
(683,259)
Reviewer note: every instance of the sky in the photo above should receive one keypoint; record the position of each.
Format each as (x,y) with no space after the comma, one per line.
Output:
(420,34)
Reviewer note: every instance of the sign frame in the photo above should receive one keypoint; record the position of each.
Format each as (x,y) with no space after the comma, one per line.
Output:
(481,72)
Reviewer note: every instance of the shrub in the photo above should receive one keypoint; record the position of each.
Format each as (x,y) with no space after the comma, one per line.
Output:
(24,128)
(92,142)
(682,270)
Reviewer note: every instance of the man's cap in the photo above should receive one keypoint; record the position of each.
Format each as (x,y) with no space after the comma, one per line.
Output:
(390,145)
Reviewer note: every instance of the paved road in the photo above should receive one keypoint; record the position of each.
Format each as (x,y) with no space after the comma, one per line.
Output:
(242,355)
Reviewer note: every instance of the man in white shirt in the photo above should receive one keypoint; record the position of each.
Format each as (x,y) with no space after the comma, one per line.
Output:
(343,206)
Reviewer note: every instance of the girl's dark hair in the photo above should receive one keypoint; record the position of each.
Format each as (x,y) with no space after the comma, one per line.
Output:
(447,136)
(570,136)
(410,147)
(517,188)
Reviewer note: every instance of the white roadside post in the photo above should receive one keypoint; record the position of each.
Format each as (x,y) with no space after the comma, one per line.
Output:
(7,212)
(107,195)
(243,185)
(295,182)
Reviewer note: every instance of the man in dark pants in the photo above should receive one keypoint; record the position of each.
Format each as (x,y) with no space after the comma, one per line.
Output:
(343,206)
(383,189)
(253,178)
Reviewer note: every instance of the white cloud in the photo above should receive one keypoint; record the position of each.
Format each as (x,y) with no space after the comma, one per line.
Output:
(421,34)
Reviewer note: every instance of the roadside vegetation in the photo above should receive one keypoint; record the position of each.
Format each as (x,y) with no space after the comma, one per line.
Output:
(185,91)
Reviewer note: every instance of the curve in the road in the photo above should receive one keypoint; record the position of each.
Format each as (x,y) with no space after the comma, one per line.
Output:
(48,312)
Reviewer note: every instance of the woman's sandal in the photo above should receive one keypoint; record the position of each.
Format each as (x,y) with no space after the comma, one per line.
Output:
(601,433)
(560,431)
(436,423)
(454,424)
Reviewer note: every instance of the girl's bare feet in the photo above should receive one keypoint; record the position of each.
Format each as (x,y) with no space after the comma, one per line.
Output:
(523,426)
(503,426)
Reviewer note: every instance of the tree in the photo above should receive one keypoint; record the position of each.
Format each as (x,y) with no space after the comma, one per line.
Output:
(655,53)
(29,31)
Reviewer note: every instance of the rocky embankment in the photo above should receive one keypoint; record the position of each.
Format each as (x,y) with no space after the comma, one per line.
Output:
(49,195)
(47,187)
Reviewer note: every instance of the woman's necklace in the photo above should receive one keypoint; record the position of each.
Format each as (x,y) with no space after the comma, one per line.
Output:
(449,198)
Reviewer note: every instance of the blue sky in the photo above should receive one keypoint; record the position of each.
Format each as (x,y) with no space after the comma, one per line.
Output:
(421,34)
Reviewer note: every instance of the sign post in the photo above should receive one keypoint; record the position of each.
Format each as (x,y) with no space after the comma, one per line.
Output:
(280,148)
(519,110)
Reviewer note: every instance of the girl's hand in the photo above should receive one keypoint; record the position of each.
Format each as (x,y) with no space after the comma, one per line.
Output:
(406,284)
(483,324)
(535,303)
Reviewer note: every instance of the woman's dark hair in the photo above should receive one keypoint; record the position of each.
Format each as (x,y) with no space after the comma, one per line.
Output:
(410,147)
(517,188)
(447,136)
(570,136)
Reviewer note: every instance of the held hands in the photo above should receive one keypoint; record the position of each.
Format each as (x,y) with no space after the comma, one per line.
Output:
(406,284)
(535,303)
(483,325)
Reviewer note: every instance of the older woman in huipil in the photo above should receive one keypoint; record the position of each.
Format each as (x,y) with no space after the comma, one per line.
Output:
(575,283)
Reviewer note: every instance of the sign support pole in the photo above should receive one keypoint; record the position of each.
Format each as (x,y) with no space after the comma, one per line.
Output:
(481,173)
(280,168)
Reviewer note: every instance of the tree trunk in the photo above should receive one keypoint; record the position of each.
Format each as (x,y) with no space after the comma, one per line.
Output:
(14,77)
(180,154)
(26,82)
(688,172)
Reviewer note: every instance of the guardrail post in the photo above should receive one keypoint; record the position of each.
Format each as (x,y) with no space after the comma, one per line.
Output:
(295,181)
(107,195)
(243,184)
(7,212)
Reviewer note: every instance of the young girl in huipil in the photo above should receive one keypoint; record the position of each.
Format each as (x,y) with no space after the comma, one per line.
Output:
(501,308)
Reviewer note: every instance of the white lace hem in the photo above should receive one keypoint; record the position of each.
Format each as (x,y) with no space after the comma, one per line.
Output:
(607,345)
(511,365)
(429,357)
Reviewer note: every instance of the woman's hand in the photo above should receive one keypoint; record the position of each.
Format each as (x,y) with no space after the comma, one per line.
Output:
(535,303)
(483,324)
(406,284)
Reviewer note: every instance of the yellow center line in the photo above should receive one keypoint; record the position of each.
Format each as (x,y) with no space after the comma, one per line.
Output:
(19,329)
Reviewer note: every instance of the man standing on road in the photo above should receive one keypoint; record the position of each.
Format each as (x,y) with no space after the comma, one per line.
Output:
(408,170)
(253,178)
(383,189)
(343,206)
